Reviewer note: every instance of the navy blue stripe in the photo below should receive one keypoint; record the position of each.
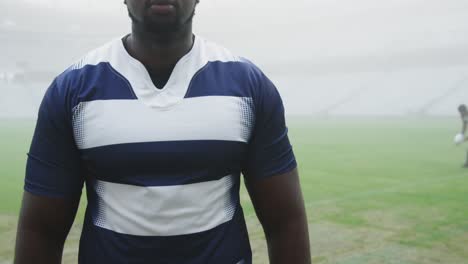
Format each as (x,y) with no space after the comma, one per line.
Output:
(97,82)
(103,82)
(227,243)
(224,79)
(165,163)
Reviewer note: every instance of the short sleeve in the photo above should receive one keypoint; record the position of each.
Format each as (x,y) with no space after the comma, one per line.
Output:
(269,152)
(54,167)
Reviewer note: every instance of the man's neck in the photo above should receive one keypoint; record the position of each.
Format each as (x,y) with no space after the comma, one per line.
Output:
(159,52)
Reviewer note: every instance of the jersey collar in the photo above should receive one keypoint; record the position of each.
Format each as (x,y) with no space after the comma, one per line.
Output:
(142,85)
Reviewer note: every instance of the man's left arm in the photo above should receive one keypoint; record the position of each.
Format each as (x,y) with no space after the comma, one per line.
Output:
(280,208)
(270,172)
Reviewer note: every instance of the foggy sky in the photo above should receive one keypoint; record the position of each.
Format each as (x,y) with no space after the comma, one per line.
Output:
(324,50)
(300,29)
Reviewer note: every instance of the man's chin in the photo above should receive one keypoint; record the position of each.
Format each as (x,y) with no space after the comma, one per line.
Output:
(162,26)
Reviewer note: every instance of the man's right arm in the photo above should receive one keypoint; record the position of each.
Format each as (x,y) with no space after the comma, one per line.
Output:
(53,182)
(43,226)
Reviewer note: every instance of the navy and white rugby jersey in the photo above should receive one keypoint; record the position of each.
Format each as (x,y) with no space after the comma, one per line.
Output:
(161,166)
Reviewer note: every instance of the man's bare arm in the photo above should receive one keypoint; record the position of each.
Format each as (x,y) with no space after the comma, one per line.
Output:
(43,226)
(280,208)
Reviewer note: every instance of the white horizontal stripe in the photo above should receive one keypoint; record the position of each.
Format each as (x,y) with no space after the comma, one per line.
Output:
(108,122)
(164,210)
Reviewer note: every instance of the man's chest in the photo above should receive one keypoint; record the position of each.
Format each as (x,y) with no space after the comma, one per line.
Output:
(200,136)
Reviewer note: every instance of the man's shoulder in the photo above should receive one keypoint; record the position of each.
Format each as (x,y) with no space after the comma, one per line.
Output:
(90,71)
(231,70)
(215,52)
(89,63)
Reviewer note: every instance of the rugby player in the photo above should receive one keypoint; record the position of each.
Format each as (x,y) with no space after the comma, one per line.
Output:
(464,118)
(159,125)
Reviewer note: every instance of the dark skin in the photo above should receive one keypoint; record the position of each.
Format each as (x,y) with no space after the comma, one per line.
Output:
(156,48)
(280,208)
(158,42)
(43,226)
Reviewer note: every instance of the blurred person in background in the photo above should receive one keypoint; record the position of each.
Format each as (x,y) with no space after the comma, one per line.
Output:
(159,125)
(461,137)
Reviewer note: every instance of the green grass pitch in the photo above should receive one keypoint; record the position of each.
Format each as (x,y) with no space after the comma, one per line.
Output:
(376,190)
